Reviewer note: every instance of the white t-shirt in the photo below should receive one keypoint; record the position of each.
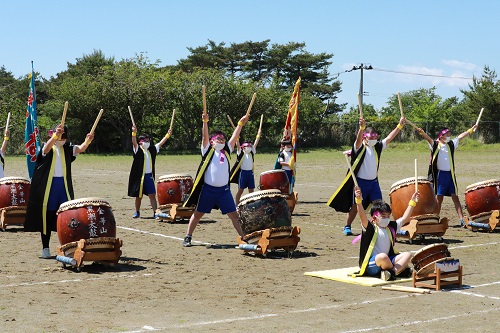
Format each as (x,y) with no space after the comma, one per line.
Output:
(443,160)
(217,173)
(247,163)
(58,171)
(368,169)
(287,155)
(383,243)
(147,157)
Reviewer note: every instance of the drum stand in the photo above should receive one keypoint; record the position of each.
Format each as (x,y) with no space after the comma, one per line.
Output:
(491,223)
(416,228)
(266,243)
(171,212)
(105,250)
(438,278)
(12,215)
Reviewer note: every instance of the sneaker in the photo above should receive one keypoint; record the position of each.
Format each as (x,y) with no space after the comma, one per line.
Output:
(347,230)
(405,273)
(187,241)
(136,215)
(387,275)
(156,216)
(46,253)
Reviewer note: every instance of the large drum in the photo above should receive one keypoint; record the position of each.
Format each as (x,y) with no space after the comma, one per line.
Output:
(482,197)
(428,255)
(402,191)
(173,188)
(261,210)
(14,191)
(275,179)
(83,219)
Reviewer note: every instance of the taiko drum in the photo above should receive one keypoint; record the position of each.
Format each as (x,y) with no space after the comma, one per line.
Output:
(428,255)
(275,179)
(83,219)
(14,191)
(483,197)
(172,189)
(402,191)
(264,209)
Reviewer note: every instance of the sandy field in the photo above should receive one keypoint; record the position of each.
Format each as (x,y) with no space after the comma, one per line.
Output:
(158,285)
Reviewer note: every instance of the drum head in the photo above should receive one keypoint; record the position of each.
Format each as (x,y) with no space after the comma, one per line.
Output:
(256,195)
(273,171)
(15,180)
(430,249)
(83,202)
(408,181)
(431,267)
(475,186)
(175,176)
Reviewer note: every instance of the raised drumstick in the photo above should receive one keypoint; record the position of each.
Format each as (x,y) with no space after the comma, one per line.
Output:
(172,121)
(64,113)
(400,105)
(231,122)
(96,121)
(261,119)
(416,176)
(131,116)
(350,170)
(251,103)
(204,94)
(479,118)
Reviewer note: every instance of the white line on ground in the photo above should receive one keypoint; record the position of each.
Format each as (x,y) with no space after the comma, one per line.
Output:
(160,235)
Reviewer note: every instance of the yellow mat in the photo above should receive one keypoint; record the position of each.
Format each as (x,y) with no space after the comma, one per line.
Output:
(344,275)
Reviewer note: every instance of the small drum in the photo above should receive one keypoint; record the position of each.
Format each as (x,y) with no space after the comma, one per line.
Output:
(482,197)
(428,255)
(261,210)
(275,179)
(14,191)
(402,191)
(173,188)
(83,219)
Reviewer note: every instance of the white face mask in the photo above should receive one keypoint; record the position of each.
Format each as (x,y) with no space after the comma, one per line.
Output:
(383,222)
(247,150)
(372,143)
(288,149)
(60,143)
(145,145)
(447,139)
(218,146)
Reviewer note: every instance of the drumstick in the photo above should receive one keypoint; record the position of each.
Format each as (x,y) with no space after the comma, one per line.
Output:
(230,121)
(204,94)
(406,289)
(96,121)
(360,106)
(251,103)
(480,114)
(64,113)
(400,105)
(260,125)
(131,116)
(416,176)
(172,121)
(350,170)
(8,121)
(412,124)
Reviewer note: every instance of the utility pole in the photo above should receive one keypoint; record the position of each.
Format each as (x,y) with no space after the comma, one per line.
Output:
(361,67)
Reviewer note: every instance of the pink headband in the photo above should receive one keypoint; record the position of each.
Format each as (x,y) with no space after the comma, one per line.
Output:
(246,144)
(376,213)
(443,132)
(217,136)
(370,135)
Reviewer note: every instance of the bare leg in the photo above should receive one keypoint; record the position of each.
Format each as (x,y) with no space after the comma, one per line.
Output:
(154,204)
(250,190)
(458,206)
(439,199)
(382,260)
(138,204)
(193,222)
(401,261)
(351,215)
(234,218)
(238,195)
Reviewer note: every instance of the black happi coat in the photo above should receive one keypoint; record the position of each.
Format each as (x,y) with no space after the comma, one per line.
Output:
(433,169)
(236,169)
(136,177)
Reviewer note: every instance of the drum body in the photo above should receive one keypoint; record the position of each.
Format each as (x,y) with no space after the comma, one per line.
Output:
(173,188)
(83,219)
(428,255)
(275,179)
(264,209)
(402,191)
(483,197)
(14,191)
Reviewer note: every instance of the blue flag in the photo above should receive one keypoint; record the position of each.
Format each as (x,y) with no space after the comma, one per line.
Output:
(32,135)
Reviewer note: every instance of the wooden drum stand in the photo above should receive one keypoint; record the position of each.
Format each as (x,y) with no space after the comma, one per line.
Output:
(438,278)
(12,215)
(171,212)
(264,241)
(489,222)
(417,228)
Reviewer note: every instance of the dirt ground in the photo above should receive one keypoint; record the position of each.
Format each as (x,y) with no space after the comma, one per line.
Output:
(213,287)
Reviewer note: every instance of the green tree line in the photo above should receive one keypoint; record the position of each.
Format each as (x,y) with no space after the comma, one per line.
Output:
(231,75)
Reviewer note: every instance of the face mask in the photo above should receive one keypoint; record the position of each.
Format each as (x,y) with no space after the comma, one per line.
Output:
(145,145)
(218,146)
(60,143)
(247,150)
(383,222)
(288,149)
(447,139)
(372,143)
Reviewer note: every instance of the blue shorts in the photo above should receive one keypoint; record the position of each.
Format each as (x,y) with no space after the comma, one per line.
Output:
(57,194)
(445,183)
(372,269)
(246,180)
(211,196)
(370,189)
(149,184)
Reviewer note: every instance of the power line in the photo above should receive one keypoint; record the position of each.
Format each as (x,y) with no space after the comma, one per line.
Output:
(421,74)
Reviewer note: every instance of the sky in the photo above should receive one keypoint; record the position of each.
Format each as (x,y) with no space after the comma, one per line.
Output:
(409,44)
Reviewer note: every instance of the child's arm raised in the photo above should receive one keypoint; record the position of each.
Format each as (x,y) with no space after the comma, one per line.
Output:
(165,138)
(359,203)
(411,205)
(426,137)
(236,134)
(205,140)
(395,131)
(359,137)
(5,140)
(466,133)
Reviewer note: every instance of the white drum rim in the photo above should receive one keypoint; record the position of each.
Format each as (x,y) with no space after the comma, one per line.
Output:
(484,183)
(175,176)
(273,171)
(259,194)
(409,181)
(82,202)
(425,248)
(10,179)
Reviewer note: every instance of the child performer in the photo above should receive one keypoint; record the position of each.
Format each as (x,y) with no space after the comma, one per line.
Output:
(52,183)
(365,160)
(284,161)
(142,174)
(377,255)
(442,166)
(211,185)
(2,152)
(242,171)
